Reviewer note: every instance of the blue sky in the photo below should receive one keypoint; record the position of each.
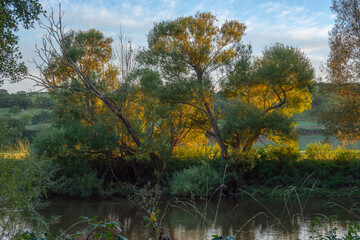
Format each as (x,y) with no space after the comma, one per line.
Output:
(303,24)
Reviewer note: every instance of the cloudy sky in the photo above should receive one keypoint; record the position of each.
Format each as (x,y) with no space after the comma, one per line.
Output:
(301,23)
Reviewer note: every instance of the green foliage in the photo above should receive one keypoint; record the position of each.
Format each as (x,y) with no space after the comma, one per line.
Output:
(186,51)
(85,185)
(15,109)
(24,179)
(241,122)
(266,92)
(43,101)
(159,120)
(25,118)
(196,181)
(319,151)
(239,165)
(42,117)
(343,154)
(74,138)
(24,183)
(20,99)
(12,14)
(275,166)
(79,179)
(11,132)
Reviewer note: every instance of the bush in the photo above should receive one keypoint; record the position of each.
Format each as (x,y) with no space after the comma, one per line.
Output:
(42,117)
(318,151)
(240,163)
(196,181)
(81,180)
(23,185)
(342,154)
(85,185)
(15,109)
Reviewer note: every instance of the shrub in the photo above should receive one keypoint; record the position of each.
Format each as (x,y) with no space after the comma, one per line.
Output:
(240,163)
(196,181)
(318,151)
(15,109)
(81,180)
(42,117)
(23,185)
(85,185)
(26,118)
(342,154)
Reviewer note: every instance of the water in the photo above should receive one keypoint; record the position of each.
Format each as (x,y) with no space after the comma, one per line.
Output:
(263,218)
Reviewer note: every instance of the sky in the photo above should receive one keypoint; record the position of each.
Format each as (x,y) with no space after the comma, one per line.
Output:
(303,24)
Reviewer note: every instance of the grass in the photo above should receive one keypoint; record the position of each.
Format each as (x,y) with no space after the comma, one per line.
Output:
(307,124)
(31,111)
(39,94)
(3,112)
(306,115)
(306,119)
(38,127)
(305,140)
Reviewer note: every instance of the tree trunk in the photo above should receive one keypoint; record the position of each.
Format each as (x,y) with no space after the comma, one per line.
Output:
(127,124)
(251,141)
(214,124)
(157,161)
(210,113)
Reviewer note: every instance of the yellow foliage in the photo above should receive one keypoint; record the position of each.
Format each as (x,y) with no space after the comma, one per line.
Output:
(20,152)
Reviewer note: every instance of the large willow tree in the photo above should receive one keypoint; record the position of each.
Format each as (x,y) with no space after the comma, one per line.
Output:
(263,93)
(188,51)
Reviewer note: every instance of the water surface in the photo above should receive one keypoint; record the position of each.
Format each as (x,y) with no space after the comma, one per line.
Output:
(247,218)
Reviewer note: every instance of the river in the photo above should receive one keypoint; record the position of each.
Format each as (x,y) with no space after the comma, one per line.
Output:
(245,217)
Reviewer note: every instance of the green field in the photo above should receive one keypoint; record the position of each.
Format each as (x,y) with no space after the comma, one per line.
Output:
(307,124)
(4,112)
(38,127)
(31,111)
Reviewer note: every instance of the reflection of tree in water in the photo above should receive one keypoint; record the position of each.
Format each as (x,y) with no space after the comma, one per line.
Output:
(232,216)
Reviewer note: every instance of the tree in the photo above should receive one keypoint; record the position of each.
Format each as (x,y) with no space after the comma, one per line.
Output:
(12,14)
(12,130)
(82,62)
(15,109)
(342,115)
(187,51)
(265,93)
(169,124)
(22,99)
(5,98)
(41,117)
(77,69)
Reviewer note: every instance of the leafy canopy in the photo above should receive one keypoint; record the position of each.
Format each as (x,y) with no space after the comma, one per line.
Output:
(264,93)
(12,14)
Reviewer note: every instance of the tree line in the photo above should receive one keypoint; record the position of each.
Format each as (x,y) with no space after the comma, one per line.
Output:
(196,84)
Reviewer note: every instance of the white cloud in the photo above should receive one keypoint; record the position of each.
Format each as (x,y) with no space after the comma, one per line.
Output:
(289,22)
